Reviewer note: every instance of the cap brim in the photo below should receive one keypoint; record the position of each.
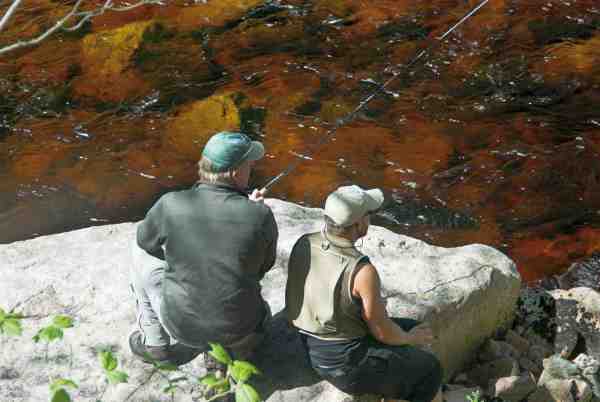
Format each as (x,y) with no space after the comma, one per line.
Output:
(256,152)
(374,199)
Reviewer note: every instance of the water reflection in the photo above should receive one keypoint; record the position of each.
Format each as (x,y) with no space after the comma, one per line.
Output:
(493,139)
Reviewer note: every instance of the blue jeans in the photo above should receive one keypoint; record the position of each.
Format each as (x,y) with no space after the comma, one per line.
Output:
(146,274)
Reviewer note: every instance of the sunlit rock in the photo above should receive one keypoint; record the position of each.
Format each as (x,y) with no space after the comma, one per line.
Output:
(466,294)
(106,64)
(195,123)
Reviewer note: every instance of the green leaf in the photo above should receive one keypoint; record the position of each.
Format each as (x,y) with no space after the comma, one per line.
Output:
(246,393)
(219,353)
(108,360)
(61,383)
(48,334)
(242,370)
(177,379)
(222,386)
(60,396)
(208,380)
(2,314)
(17,316)
(169,389)
(63,321)
(12,327)
(166,366)
(116,376)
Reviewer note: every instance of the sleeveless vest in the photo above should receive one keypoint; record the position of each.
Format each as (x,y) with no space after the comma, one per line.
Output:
(319,288)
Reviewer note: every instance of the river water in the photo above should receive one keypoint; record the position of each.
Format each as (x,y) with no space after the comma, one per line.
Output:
(493,138)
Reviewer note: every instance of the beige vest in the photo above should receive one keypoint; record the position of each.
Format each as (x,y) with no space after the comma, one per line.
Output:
(319,288)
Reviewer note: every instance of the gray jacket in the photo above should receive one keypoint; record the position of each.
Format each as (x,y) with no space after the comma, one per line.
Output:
(218,245)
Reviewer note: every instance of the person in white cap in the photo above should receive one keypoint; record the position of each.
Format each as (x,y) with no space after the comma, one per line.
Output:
(333,298)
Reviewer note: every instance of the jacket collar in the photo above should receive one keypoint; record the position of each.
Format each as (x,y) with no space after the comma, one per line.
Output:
(219,187)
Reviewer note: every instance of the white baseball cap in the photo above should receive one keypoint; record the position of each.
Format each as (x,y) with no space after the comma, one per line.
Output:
(348,204)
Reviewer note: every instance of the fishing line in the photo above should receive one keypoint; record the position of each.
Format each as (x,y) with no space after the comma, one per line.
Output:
(350,116)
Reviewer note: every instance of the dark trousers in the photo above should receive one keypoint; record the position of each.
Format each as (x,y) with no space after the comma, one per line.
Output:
(399,372)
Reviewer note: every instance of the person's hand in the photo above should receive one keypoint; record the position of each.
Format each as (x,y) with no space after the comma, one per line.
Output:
(258,195)
(422,334)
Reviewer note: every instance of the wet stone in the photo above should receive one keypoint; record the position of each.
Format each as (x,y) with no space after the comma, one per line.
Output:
(514,388)
(484,373)
(585,273)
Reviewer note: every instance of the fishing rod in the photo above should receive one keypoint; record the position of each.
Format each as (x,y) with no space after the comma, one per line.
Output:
(350,116)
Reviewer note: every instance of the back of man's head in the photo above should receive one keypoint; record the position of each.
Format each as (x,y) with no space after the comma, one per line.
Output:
(347,205)
(224,153)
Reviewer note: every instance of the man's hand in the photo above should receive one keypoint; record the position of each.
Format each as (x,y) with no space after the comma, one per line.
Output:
(422,334)
(258,195)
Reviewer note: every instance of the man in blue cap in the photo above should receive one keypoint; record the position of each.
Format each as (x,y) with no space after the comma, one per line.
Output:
(211,244)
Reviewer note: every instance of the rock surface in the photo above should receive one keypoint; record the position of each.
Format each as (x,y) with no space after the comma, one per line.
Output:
(577,315)
(466,294)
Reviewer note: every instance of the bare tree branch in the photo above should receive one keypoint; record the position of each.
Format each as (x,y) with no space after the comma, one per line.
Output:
(83,16)
(43,36)
(9,13)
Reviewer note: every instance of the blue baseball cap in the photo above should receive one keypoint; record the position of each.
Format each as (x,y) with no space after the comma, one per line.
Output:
(227,150)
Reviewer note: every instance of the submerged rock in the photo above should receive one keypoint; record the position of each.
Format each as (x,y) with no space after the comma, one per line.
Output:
(195,123)
(106,60)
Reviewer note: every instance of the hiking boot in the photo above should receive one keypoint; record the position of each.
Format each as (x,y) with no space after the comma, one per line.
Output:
(149,354)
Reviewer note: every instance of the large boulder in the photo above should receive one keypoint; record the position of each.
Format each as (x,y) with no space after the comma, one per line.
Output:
(466,293)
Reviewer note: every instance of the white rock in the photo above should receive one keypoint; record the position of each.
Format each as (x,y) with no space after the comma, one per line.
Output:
(466,293)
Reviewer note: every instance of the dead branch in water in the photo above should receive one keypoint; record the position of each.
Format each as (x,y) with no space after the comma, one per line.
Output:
(74,16)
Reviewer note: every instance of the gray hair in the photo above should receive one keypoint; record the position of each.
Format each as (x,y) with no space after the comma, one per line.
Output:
(209,175)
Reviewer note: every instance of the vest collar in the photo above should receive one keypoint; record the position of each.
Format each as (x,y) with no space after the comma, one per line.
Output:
(337,241)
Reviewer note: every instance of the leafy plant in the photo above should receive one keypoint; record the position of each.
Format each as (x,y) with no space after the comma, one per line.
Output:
(58,390)
(109,364)
(235,380)
(10,323)
(53,331)
(475,396)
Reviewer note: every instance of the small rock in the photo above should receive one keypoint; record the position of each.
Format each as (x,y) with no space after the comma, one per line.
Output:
(8,373)
(578,314)
(514,388)
(518,342)
(537,353)
(461,378)
(494,350)
(484,373)
(534,367)
(557,368)
(589,370)
(453,387)
(541,394)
